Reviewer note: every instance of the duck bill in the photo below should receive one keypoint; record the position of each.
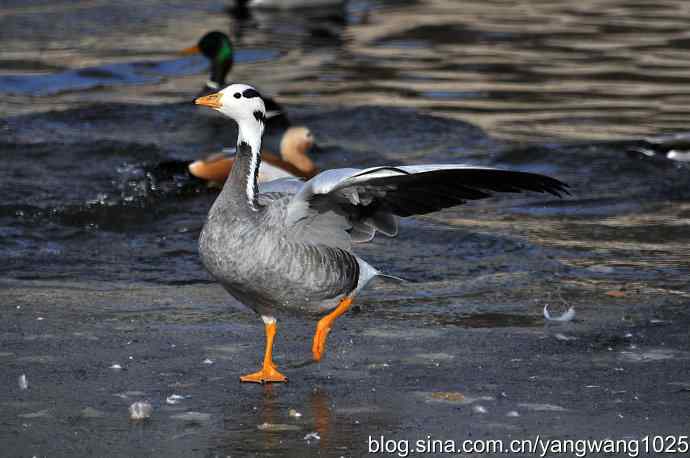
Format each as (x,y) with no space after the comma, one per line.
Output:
(190,50)
(211,100)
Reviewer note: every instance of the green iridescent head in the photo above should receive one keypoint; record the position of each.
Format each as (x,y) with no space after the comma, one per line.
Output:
(216,46)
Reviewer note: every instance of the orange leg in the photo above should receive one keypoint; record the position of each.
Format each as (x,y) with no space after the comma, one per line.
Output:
(269,372)
(324,326)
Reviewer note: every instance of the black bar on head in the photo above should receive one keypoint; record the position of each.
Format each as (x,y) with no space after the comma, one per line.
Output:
(249,93)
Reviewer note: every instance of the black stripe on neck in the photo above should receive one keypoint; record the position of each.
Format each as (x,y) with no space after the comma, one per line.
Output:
(245,151)
(260,116)
(244,148)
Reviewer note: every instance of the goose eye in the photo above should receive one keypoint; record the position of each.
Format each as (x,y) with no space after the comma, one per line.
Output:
(237,95)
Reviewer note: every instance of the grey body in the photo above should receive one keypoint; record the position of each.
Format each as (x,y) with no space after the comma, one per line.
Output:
(290,246)
(253,254)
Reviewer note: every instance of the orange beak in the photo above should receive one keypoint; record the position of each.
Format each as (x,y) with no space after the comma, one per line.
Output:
(190,50)
(211,100)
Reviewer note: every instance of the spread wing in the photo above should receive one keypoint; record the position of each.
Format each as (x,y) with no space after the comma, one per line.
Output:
(341,206)
(288,185)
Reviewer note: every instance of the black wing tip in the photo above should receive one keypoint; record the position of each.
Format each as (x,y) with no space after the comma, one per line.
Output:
(542,183)
(556,187)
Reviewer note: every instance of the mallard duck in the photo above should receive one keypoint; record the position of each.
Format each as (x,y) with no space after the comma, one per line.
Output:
(293,160)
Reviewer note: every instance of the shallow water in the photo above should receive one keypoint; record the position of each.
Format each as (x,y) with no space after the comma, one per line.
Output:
(528,70)
(99,220)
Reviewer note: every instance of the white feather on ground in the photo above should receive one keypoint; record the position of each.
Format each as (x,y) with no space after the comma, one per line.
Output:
(567,316)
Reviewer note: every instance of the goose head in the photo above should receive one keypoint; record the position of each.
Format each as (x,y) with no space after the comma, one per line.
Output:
(239,102)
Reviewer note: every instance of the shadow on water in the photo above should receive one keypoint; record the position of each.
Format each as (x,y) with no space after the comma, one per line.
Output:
(284,423)
(314,424)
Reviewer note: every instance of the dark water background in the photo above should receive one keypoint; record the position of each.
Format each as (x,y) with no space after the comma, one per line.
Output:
(94,105)
(96,114)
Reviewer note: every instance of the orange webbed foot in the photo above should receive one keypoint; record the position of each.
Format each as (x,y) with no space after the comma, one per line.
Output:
(268,374)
